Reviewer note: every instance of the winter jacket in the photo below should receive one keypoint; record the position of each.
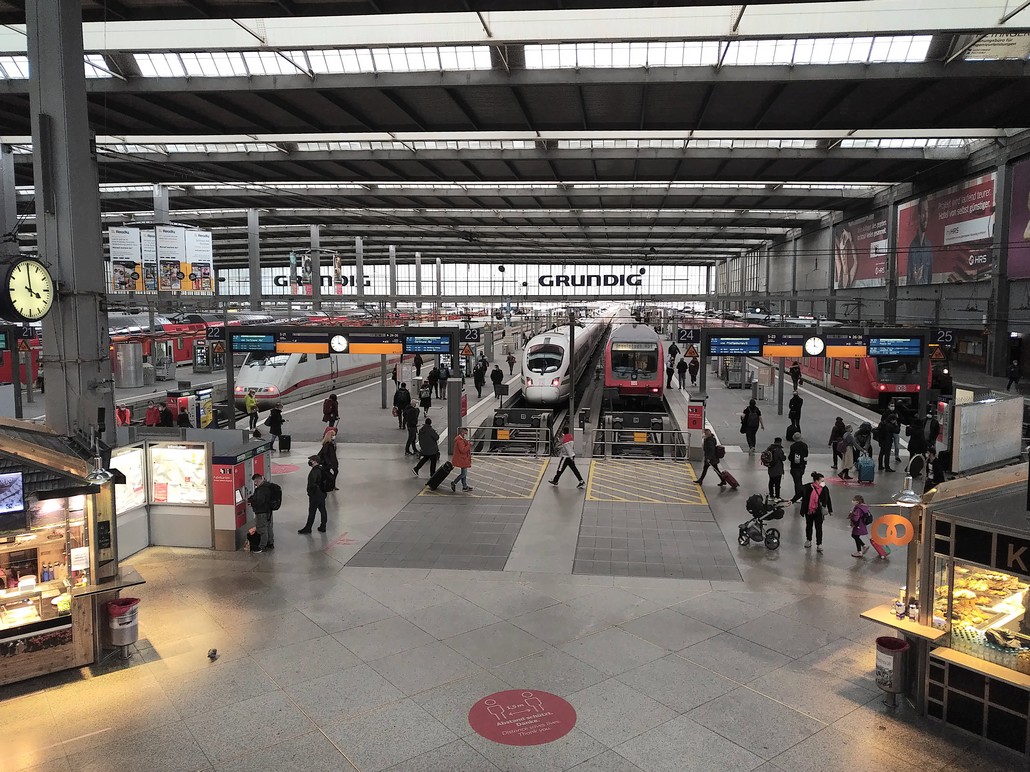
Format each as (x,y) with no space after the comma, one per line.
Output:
(496,376)
(401,399)
(794,407)
(858,528)
(708,446)
(330,410)
(250,404)
(153,417)
(462,455)
(836,433)
(568,445)
(806,495)
(275,421)
(681,367)
(314,487)
(428,440)
(327,456)
(694,366)
(261,499)
(778,457)
(798,455)
(411,416)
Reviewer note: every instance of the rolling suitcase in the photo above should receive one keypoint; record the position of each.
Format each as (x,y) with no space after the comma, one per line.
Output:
(883,550)
(866,470)
(285,443)
(730,480)
(440,476)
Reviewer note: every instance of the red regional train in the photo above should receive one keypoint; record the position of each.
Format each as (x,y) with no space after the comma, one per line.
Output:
(634,363)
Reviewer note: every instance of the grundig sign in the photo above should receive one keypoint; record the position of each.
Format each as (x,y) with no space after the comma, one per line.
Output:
(283,280)
(592,280)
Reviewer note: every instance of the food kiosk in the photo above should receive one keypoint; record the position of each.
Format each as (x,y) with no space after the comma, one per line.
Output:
(969,587)
(58,554)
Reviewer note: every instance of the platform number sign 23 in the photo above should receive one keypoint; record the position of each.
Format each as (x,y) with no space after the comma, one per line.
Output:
(470,335)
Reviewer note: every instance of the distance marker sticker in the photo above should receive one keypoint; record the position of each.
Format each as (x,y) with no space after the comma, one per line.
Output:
(522,717)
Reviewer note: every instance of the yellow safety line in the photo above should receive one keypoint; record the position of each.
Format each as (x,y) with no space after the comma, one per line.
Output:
(501,469)
(614,477)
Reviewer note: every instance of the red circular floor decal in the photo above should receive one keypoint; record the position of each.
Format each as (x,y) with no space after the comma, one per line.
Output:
(284,468)
(522,717)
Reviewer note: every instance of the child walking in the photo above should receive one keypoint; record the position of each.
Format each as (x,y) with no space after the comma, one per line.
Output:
(859,518)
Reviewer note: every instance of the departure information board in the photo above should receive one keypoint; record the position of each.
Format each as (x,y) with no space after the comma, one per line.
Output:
(339,340)
(735,345)
(895,347)
(253,343)
(427,344)
(795,344)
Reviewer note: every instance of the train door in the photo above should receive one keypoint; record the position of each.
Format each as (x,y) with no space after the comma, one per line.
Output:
(827,371)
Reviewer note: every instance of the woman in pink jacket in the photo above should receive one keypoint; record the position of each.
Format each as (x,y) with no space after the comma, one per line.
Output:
(462,459)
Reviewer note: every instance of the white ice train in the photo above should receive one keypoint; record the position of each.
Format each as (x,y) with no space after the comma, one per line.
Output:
(546,376)
(290,377)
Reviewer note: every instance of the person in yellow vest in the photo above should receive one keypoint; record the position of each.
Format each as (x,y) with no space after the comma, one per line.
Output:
(250,407)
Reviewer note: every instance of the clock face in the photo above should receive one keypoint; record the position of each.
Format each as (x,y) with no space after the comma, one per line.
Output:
(338,343)
(30,290)
(814,346)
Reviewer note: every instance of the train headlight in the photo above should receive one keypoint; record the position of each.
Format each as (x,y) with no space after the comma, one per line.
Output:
(917,387)
(654,389)
(271,390)
(529,381)
(238,390)
(945,371)
(556,381)
(882,387)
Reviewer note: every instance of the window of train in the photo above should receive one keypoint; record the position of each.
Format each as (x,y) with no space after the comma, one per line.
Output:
(303,358)
(321,356)
(259,359)
(626,362)
(897,370)
(836,368)
(544,358)
(845,371)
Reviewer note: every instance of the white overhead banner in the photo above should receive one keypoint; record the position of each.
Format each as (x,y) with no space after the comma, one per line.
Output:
(166,258)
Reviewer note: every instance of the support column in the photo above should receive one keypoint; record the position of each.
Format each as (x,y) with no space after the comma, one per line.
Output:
(359,270)
(393,276)
(161,207)
(439,285)
(999,301)
(254,257)
(890,306)
(9,248)
(794,276)
(418,277)
(316,268)
(77,361)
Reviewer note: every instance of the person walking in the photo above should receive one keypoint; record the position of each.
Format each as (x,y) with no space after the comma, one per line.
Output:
(885,442)
(275,422)
(750,422)
(462,459)
(931,430)
(401,400)
(250,407)
(693,368)
(328,459)
(797,456)
(444,375)
(893,420)
(670,372)
(261,503)
(317,486)
(681,373)
(567,459)
(510,359)
(709,448)
(859,527)
(794,410)
(330,411)
(496,377)
(916,439)
(795,374)
(417,364)
(836,434)
(848,452)
(433,379)
(411,423)
(674,351)
(773,457)
(815,506)
(425,398)
(1014,373)
(479,378)
(428,447)
(935,472)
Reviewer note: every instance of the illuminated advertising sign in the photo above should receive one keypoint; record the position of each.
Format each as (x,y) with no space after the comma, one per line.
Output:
(734,345)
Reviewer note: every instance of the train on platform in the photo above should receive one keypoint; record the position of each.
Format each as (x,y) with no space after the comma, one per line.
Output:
(634,364)
(552,364)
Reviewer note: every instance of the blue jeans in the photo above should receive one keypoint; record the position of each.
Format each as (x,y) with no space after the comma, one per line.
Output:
(461,477)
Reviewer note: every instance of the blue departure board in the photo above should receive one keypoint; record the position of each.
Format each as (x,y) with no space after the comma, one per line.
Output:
(427,344)
(253,342)
(734,345)
(895,347)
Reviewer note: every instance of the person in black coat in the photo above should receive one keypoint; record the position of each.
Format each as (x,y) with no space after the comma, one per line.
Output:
(328,459)
(935,472)
(167,419)
(401,400)
(797,456)
(411,422)
(497,376)
(708,446)
(275,422)
(884,434)
(794,410)
(1014,373)
(776,466)
(814,514)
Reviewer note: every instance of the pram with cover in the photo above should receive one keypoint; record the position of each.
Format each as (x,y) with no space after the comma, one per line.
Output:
(762,509)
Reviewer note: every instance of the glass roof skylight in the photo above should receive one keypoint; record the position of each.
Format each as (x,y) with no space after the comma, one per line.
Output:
(17,67)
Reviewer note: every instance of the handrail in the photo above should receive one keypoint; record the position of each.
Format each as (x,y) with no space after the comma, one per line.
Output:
(677,440)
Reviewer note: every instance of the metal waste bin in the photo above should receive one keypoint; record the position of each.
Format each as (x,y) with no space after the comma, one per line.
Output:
(890,666)
(149,374)
(123,622)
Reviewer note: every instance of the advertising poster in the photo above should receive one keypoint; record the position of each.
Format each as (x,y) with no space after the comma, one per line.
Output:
(337,274)
(148,247)
(133,493)
(199,268)
(304,280)
(947,236)
(1019,222)
(178,474)
(171,254)
(125,251)
(860,252)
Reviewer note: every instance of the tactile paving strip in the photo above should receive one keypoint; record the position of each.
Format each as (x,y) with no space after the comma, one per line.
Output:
(647,482)
(496,478)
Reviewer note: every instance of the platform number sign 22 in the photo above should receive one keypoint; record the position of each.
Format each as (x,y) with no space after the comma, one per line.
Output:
(688,335)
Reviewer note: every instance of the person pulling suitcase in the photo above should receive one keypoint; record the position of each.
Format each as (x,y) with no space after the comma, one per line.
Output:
(568,459)
(461,459)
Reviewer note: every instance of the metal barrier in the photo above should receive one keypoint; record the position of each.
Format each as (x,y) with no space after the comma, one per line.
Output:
(664,444)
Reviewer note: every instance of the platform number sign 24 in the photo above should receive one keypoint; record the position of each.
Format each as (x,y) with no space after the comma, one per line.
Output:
(688,335)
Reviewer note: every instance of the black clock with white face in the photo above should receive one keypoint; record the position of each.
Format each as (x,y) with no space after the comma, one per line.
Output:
(27,294)
(815,346)
(338,344)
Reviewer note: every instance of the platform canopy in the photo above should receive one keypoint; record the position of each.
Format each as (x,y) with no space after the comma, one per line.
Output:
(494,131)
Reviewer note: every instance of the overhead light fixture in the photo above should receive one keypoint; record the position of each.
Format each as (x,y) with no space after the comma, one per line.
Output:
(98,474)
(907,497)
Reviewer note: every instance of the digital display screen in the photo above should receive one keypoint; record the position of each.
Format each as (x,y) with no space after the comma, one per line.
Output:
(737,345)
(253,342)
(12,493)
(427,344)
(895,347)
(376,343)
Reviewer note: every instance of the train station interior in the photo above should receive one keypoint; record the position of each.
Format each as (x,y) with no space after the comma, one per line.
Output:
(598,385)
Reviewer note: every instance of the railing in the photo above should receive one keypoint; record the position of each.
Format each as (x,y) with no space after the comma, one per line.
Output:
(533,441)
(661,444)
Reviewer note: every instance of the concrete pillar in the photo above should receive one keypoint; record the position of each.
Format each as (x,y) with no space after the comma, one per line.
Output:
(999,301)
(316,268)
(161,208)
(393,276)
(254,257)
(77,362)
(439,284)
(418,277)
(8,203)
(794,276)
(890,306)
(359,269)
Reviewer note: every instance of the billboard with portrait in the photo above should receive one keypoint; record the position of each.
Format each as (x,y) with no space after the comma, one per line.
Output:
(1019,222)
(860,252)
(947,236)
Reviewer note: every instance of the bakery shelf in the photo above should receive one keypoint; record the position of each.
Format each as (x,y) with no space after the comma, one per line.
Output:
(885,615)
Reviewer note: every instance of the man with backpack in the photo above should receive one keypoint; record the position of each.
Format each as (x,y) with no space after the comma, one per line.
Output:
(266,498)
(750,422)
(795,374)
(681,373)
(710,449)
(318,485)
(510,359)
(401,400)
(773,458)
(798,458)
(445,373)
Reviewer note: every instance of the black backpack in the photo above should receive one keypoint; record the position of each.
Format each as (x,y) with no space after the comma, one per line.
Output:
(275,496)
(325,481)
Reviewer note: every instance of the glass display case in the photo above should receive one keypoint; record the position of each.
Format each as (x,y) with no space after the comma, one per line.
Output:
(179,474)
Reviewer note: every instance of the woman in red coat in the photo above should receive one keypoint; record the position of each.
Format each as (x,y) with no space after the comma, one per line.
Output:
(462,459)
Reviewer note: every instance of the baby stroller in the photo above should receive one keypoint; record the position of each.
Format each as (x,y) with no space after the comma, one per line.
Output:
(761,510)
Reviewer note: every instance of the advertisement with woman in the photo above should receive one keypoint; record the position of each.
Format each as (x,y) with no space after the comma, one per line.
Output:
(1019,222)
(860,252)
(948,235)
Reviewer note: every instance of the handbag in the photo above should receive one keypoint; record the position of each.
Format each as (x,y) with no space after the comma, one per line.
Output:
(395,411)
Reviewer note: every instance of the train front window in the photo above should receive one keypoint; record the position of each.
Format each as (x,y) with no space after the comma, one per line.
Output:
(545,358)
(642,364)
(260,360)
(898,370)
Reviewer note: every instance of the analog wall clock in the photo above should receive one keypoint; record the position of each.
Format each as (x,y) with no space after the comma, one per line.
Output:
(338,344)
(815,346)
(28,290)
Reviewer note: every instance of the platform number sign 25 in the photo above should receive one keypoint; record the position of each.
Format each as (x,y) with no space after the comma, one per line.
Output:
(943,337)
